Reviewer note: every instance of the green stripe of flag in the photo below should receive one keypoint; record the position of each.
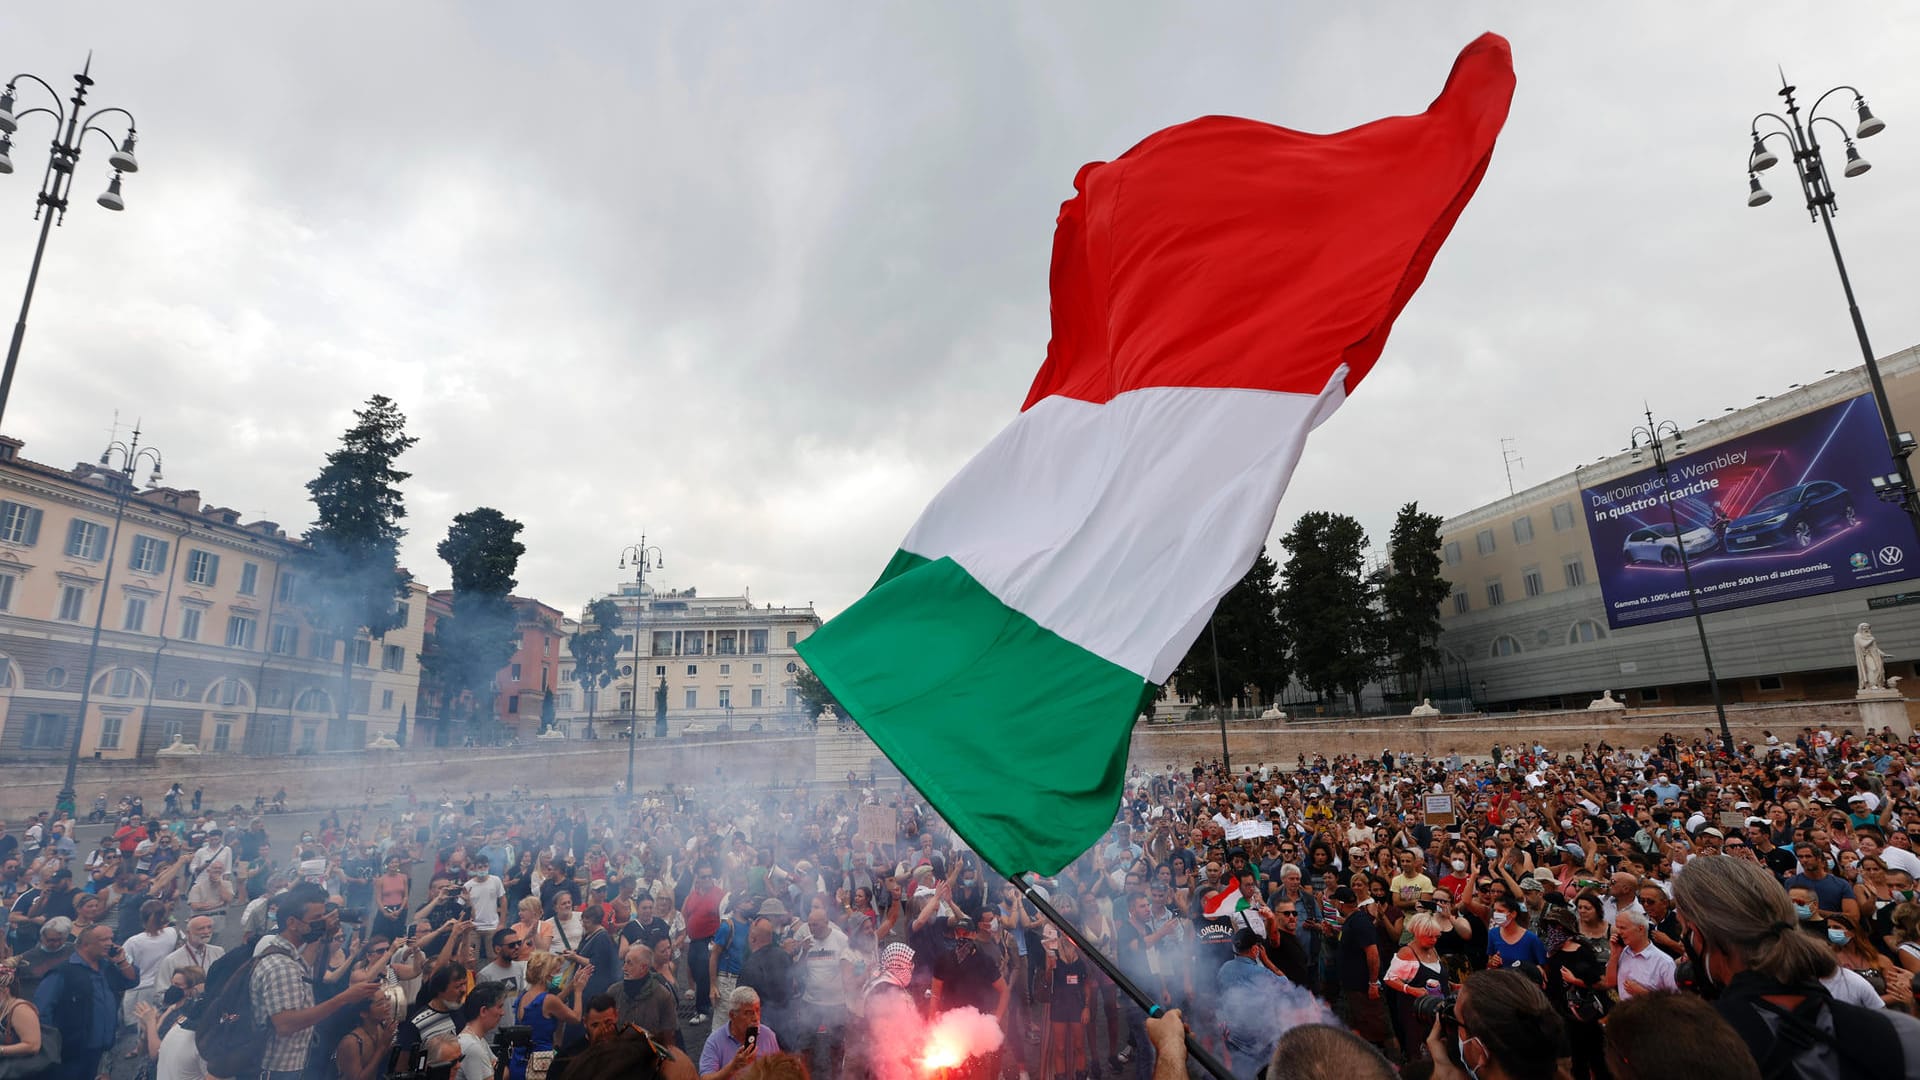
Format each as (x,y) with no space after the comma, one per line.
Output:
(1001,723)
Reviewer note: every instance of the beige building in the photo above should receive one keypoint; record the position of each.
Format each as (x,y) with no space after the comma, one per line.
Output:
(201,633)
(1526,625)
(723,659)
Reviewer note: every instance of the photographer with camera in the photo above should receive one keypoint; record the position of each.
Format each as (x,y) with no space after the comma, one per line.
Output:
(1499,1026)
(485,1004)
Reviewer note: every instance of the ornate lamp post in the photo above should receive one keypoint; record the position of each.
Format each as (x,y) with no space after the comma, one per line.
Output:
(1662,437)
(120,480)
(643,558)
(1803,145)
(50,207)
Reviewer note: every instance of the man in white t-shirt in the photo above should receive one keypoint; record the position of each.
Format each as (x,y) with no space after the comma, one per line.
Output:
(486,899)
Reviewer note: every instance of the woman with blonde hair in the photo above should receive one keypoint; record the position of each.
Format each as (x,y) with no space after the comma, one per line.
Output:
(529,925)
(1906,935)
(1416,972)
(549,1000)
(19,1020)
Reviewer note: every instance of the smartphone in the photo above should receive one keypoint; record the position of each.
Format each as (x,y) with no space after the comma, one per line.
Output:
(753,1038)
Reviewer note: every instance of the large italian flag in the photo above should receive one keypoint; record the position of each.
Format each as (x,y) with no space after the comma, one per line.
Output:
(1218,291)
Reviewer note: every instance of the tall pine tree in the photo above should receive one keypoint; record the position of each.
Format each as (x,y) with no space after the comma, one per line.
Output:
(469,646)
(1252,644)
(352,566)
(1411,590)
(596,649)
(1324,604)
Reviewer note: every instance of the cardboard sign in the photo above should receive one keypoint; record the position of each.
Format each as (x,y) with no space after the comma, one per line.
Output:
(1244,830)
(1733,819)
(878,825)
(1439,809)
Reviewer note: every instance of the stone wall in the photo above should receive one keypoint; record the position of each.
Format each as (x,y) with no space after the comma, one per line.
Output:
(340,779)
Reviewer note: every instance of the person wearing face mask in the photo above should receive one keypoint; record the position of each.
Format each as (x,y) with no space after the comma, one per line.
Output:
(1505,1029)
(281,983)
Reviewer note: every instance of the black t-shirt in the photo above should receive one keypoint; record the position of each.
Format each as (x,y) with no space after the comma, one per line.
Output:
(967,978)
(1470,950)
(652,933)
(1130,952)
(1356,934)
(1781,862)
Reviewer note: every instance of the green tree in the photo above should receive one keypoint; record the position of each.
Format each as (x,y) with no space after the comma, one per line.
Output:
(814,695)
(1253,644)
(1410,590)
(352,563)
(596,649)
(469,646)
(546,711)
(1324,604)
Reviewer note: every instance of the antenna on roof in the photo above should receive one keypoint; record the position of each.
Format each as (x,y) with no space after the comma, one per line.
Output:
(1509,457)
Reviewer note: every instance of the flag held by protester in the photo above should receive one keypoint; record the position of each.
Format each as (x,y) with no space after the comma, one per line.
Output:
(1217,292)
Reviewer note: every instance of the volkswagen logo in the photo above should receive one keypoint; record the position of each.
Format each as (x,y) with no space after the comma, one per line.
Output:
(1891,555)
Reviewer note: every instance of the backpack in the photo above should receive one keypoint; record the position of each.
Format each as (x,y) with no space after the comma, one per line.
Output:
(1865,1044)
(227,1038)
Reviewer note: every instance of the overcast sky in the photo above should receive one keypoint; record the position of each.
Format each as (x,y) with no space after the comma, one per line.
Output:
(757,280)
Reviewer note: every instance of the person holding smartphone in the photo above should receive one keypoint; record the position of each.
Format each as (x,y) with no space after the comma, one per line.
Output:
(79,998)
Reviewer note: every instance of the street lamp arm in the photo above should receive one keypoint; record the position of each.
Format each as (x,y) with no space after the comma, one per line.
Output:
(1816,102)
(57,118)
(1785,128)
(1845,135)
(112,143)
(98,113)
(59,109)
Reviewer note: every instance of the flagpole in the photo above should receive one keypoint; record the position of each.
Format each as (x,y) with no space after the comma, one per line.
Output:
(1195,1051)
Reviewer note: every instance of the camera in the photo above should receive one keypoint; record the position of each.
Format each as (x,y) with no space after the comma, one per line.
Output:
(508,1037)
(1439,1006)
(348,916)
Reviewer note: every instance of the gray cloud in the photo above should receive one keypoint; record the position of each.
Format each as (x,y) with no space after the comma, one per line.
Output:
(758,279)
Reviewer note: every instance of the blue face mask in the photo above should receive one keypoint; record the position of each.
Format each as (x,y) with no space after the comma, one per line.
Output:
(1803,912)
(1838,936)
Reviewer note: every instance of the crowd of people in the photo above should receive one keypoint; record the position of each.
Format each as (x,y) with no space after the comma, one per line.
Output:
(1517,913)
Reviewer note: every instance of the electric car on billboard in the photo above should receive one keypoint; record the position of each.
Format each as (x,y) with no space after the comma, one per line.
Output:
(1792,517)
(1655,544)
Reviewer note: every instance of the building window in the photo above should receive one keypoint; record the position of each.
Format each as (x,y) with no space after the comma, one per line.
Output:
(222,735)
(793,637)
(1576,572)
(726,669)
(1649,694)
(513,673)
(203,568)
(693,698)
(363,652)
(386,701)
(314,700)
(726,698)
(285,640)
(6,592)
(693,669)
(309,736)
(626,701)
(1772,682)
(1523,529)
(1505,645)
(513,704)
(120,683)
(393,658)
(724,643)
(660,671)
(759,668)
(240,632)
(1563,517)
(1584,631)
(626,670)
(44,731)
(793,697)
(693,642)
(136,620)
(1496,594)
(73,603)
(663,643)
(19,523)
(233,693)
(758,697)
(320,647)
(86,540)
(249,578)
(1484,541)
(401,612)
(1530,580)
(190,624)
(149,555)
(1451,552)
(56,678)
(625,644)
(1460,603)
(110,732)
(756,642)
(288,590)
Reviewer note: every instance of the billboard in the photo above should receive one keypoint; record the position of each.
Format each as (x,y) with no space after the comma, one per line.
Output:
(1780,513)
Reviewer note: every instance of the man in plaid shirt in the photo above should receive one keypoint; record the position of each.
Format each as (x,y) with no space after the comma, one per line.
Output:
(282,983)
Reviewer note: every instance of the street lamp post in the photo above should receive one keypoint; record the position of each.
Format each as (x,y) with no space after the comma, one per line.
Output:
(644,558)
(1810,167)
(120,480)
(50,208)
(1656,436)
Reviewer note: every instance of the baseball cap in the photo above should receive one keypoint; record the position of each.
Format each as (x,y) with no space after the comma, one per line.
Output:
(770,908)
(1244,939)
(597,885)
(1343,895)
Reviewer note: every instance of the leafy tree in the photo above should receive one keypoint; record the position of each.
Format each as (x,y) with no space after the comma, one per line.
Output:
(1253,644)
(814,695)
(352,563)
(546,711)
(596,649)
(469,646)
(1324,604)
(1411,590)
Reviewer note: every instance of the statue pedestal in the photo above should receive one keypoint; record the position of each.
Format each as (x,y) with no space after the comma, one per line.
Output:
(1884,708)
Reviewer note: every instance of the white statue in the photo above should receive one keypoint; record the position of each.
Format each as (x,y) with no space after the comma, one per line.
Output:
(1606,700)
(1425,708)
(1868,661)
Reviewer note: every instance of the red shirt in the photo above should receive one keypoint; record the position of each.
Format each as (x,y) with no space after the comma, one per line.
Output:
(130,837)
(702,912)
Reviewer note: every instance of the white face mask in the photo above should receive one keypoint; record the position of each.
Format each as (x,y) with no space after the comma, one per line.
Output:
(1459,865)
